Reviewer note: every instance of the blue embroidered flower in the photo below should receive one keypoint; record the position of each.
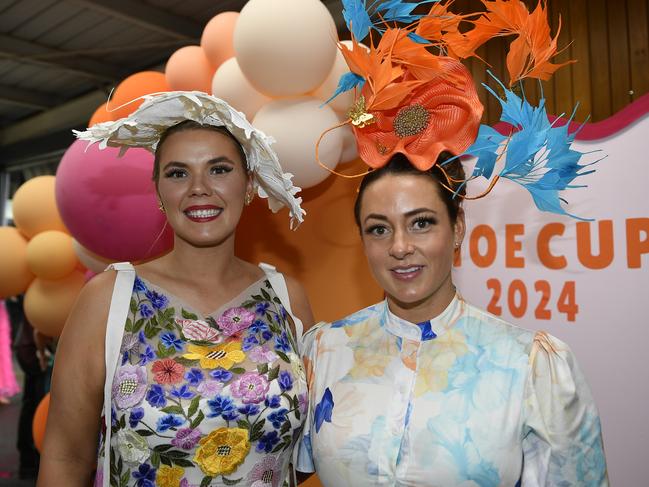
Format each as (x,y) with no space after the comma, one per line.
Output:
(158,301)
(258,326)
(249,409)
(281,343)
(268,442)
(273,402)
(145,476)
(139,285)
(283,311)
(221,375)
(141,337)
(221,406)
(169,421)
(277,418)
(145,310)
(285,380)
(136,416)
(194,376)
(267,335)
(183,392)
(249,342)
(169,340)
(261,308)
(324,409)
(113,416)
(156,396)
(147,355)
(124,358)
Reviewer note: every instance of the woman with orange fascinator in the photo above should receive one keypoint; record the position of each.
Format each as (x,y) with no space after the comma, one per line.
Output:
(424,388)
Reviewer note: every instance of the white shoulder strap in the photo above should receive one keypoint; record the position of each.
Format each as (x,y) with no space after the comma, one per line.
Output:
(119,306)
(278,283)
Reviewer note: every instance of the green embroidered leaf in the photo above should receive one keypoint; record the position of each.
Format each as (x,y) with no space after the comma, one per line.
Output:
(265,294)
(163,351)
(297,414)
(262,368)
(231,482)
(120,465)
(243,424)
(267,284)
(181,462)
(186,362)
(155,459)
(162,448)
(122,422)
(138,325)
(166,460)
(150,330)
(257,430)
(176,454)
(193,406)
(285,427)
(273,373)
(206,481)
(173,410)
(154,321)
(124,479)
(144,432)
(277,300)
(133,305)
(128,327)
(197,420)
(257,297)
(283,356)
(187,315)
(238,370)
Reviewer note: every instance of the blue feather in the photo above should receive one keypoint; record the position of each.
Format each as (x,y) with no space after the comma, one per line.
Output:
(347,81)
(485,149)
(357,19)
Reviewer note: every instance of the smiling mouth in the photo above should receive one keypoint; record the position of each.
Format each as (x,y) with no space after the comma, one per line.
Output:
(203,214)
(407,273)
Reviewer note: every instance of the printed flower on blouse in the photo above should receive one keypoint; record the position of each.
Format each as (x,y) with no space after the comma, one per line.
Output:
(454,341)
(170,340)
(167,371)
(129,386)
(169,476)
(133,448)
(265,473)
(209,388)
(369,362)
(433,372)
(186,438)
(234,320)
(324,410)
(199,330)
(251,387)
(224,355)
(158,301)
(145,476)
(262,355)
(222,451)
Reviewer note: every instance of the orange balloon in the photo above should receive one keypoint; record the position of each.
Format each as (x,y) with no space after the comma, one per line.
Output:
(135,86)
(15,275)
(218,37)
(50,255)
(188,69)
(48,303)
(101,115)
(39,422)
(34,207)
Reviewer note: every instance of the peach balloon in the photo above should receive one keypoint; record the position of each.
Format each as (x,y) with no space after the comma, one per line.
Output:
(350,149)
(101,115)
(285,47)
(90,260)
(48,303)
(343,102)
(217,39)
(188,69)
(296,125)
(34,207)
(50,255)
(231,85)
(133,87)
(15,275)
(40,421)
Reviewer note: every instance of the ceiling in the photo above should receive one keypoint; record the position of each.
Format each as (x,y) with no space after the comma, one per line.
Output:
(59,60)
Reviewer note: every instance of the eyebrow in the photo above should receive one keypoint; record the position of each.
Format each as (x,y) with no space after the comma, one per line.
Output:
(211,161)
(407,214)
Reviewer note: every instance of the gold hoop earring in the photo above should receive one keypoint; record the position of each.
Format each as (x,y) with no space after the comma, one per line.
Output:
(161,207)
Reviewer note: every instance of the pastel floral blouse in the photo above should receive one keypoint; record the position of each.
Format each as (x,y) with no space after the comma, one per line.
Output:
(205,400)
(465,399)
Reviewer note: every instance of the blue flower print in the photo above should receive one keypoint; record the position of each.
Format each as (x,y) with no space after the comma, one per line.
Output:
(283,311)
(136,416)
(158,301)
(221,406)
(194,376)
(113,416)
(147,355)
(145,476)
(266,335)
(268,442)
(139,285)
(156,396)
(183,392)
(261,308)
(169,340)
(272,402)
(278,418)
(249,409)
(285,380)
(249,342)
(145,310)
(324,409)
(281,343)
(169,421)
(258,326)
(221,375)
(124,358)
(141,337)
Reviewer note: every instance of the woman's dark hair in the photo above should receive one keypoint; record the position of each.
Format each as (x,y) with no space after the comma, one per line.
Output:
(400,165)
(192,125)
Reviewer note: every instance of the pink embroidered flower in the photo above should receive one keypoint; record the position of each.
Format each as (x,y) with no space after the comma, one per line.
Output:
(261,354)
(199,330)
(167,371)
(186,438)
(265,473)
(183,483)
(129,386)
(234,320)
(303,402)
(251,387)
(209,388)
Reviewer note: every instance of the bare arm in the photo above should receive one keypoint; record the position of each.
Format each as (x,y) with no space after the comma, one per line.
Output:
(70,446)
(300,302)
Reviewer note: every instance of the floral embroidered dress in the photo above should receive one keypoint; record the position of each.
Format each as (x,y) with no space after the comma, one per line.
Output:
(205,400)
(465,399)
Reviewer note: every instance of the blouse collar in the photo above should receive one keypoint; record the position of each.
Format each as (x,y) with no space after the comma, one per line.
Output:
(426,330)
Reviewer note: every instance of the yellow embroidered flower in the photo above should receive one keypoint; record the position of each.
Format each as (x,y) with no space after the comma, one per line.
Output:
(369,362)
(222,451)
(169,476)
(224,355)
(433,372)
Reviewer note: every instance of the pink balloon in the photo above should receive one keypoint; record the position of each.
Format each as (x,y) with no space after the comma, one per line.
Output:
(108,202)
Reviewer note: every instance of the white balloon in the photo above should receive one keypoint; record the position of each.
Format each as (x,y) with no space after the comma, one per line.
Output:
(285,47)
(350,149)
(343,102)
(231,85)
(296,124)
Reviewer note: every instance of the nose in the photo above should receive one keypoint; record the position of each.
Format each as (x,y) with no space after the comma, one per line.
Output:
(200,186)
(400,247)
